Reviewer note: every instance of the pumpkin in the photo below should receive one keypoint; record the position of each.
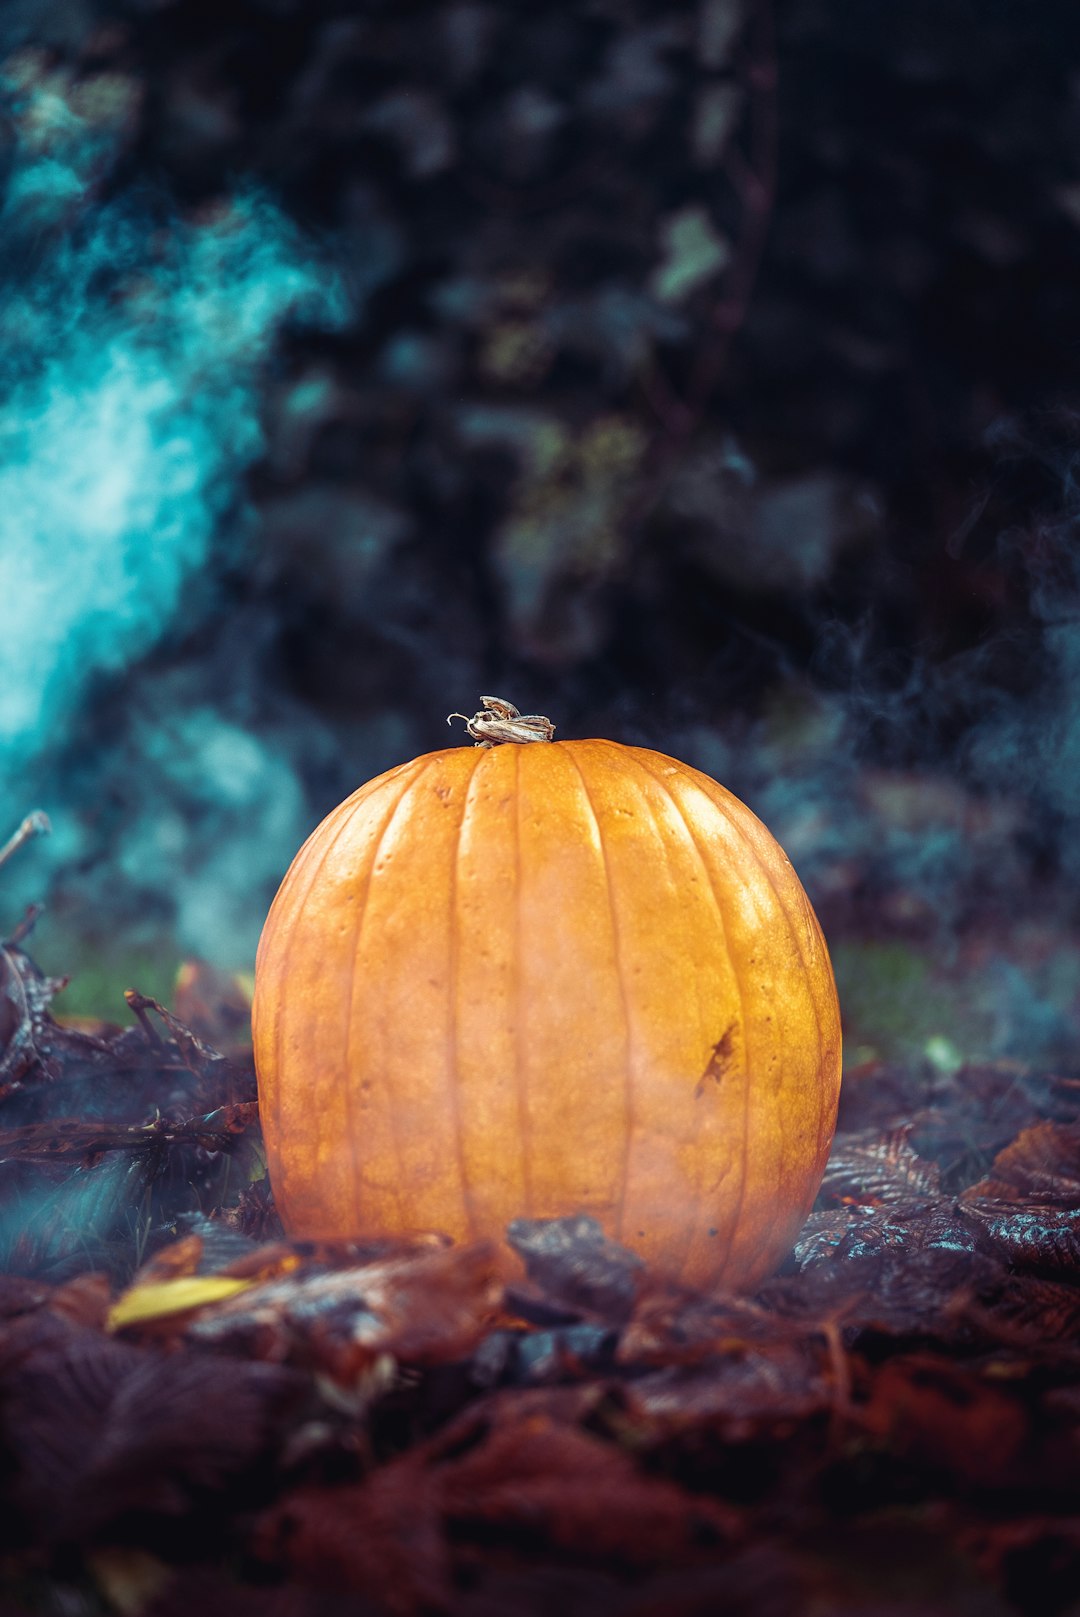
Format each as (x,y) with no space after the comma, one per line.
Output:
(539,978)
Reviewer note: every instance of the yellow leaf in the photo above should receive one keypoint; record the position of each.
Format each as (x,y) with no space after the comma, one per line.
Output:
(130,1579)
(160,1298)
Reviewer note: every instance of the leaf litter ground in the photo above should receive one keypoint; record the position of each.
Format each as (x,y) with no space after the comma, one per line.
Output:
(197,1413)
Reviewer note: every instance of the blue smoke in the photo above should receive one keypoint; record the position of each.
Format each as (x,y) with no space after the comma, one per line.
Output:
(134,347)
(124,436)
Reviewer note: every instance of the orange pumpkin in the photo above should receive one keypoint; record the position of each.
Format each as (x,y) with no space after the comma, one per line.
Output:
(524,979)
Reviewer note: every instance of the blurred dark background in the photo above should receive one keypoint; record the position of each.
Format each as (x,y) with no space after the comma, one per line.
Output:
(706,376)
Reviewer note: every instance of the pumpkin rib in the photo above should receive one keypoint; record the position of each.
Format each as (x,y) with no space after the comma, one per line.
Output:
(759,859)
(703,1211)
(776,1201)
(801,900)
(519,1065)
(279,999)
(452,988)
(286,921)
(343,811)
(347,1095)
(722,808)
(299,865)
(628,1038)
(747,1065)
(810,974)
(354,951)
(830,1046)
(664,793)
(732,809)
(427,763)
(742,819)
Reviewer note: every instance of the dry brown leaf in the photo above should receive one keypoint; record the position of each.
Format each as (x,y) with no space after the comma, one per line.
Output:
(1041,1164)
(947,1416)
(876,1169)
(421,1308)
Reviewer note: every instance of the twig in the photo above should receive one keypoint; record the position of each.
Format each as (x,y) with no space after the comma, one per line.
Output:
(841,1405)
(139,1004)
(25,926)
(67,1139)
(194,1054)
(35,825)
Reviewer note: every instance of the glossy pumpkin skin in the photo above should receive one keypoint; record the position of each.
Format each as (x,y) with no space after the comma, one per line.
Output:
(545,979)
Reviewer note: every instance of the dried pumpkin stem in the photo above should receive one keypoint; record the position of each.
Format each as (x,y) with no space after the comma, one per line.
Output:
(500,721)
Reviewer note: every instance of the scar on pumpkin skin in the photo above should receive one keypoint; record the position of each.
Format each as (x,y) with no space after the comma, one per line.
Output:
(719,1062)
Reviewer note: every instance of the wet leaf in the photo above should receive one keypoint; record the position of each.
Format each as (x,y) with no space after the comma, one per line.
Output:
(1034,1558)
(863,1230)
(32,1045)
(742,1390)
(671,1325)
(927,1295)
(876,1169)
(570,1492)
(560,1354)
(1032,1235)
(1036,1315)
(1042,1163)
(522,1477)
(21,1295)
(945,1415)
(97,1429)
(572,1260)
(222,1592)
(419,1309)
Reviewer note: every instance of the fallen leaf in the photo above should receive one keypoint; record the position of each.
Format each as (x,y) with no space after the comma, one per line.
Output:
(573,1261)
(150,1301)
(877,1169)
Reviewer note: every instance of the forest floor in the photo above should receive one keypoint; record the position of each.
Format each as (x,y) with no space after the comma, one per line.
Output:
(199,1412)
